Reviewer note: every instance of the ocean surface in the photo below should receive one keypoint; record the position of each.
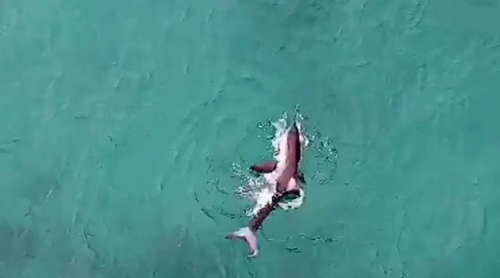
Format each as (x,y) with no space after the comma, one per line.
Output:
(126,128)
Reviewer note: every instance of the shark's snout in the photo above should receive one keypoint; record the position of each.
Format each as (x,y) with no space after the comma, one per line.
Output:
(294,128)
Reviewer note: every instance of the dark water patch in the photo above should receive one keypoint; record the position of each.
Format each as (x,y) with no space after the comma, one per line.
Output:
(9,146)
(489,4)
(18,244)
(39,189)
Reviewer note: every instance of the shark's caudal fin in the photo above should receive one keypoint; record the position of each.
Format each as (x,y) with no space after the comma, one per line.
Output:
(249,236)
(264,168)
(248,233)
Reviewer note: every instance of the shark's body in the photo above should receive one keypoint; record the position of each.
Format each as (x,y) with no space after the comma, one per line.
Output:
(287,178)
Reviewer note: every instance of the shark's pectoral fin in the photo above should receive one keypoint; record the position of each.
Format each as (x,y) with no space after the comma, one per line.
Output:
(300,177)
(264,168)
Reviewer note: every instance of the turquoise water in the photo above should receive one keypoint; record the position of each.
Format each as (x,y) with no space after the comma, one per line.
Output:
(122,122)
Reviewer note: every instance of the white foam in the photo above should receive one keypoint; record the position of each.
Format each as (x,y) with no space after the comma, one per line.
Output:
(260,191)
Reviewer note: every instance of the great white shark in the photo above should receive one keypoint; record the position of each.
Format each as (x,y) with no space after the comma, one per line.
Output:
(287,179)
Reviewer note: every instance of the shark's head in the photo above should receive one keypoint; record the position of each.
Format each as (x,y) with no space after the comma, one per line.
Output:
(293,129)
(287,160)
(291,145)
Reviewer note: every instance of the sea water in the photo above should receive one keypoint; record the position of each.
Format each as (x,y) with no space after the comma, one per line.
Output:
(120,122)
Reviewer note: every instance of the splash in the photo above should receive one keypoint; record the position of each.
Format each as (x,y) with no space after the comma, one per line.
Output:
(260,190)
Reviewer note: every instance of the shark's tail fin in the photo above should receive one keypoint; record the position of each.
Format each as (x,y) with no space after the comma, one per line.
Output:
(249,236)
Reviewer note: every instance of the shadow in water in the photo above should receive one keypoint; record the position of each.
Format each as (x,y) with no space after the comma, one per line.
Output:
(17,244)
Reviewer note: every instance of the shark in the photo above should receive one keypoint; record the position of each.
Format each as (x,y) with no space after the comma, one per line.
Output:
(287,177)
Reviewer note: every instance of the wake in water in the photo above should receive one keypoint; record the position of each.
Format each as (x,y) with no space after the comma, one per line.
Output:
(260,190)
